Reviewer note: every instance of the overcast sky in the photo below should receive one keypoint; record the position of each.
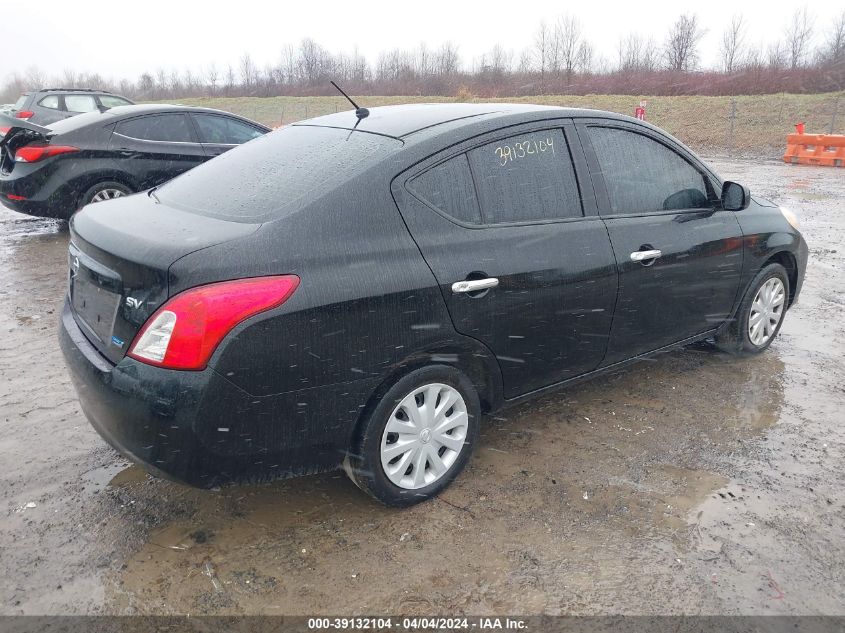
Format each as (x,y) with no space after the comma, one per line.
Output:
(123,38)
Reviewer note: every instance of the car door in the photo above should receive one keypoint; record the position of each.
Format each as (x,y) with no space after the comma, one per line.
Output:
(522,259)
(679,255)
(156,147)
(219,133)
(49,109)
(78,104)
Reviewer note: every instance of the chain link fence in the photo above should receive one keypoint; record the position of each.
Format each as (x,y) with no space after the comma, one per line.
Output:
(753,126)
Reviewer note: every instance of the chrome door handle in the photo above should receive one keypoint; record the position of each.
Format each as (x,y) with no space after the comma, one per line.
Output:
(473,285)
(641,256)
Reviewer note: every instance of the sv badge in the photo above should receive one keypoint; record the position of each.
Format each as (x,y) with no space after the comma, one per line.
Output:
(132,302)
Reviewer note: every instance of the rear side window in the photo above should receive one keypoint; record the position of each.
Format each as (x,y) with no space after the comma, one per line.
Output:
(80,103)
(50,101)
(525,178)
(110,101)
(175,128)
(276,174)
(642,175)
(449,188)
(223,130)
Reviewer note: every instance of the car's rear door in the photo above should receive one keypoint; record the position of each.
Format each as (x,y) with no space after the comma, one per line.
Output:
(219,133)
(505,212)
(78,104)
(49,109)
(679,255)
(156,147)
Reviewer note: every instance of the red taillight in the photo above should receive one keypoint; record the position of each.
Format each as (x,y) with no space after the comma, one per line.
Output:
(185,331)
(4,130)
(34,153)
(12,196)
(24,114)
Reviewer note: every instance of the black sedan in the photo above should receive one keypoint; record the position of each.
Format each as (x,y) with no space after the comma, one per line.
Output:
(53,171)
(358,291)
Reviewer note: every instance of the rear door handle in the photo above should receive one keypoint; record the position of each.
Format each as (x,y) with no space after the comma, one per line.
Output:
(474,285)
(641,256)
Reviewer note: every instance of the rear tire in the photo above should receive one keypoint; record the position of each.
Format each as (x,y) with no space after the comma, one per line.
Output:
(760,314)
(103,191)
(417,438)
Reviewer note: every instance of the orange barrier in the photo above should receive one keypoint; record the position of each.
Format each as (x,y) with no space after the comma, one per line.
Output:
(815,149)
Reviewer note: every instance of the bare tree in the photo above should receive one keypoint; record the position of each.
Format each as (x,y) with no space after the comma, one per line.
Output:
(776,56)
(230,80)
(584,57)
(191,83)
(35,78)
(733,43)
(212,76)
(568,42)
(543,49)
(834,49)
(69,78)
(629,51)
(423,62)
(161,82)
(175,83)
(637,54)
(248,71)
(146,84)
(798,34)
(681,49)
(495,64)
(360,67)
(447,60)
(499,60)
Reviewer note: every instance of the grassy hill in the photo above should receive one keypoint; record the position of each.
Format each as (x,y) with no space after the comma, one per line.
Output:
(761,123)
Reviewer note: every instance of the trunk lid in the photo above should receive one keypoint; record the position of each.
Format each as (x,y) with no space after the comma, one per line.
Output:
(18,133)
(118,261)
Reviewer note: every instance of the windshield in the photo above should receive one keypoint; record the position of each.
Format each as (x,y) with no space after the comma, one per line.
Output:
(275,174)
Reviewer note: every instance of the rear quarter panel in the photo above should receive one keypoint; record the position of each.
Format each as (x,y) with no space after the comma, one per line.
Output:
(367,304)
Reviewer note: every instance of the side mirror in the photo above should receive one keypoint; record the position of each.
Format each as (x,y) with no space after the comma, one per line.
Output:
(735,197)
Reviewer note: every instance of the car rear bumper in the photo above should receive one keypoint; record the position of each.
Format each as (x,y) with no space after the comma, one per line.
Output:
(199,428)
(39,193)
(37,208)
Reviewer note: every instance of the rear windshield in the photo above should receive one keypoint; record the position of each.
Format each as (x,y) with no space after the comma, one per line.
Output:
(19,103)
(276,174)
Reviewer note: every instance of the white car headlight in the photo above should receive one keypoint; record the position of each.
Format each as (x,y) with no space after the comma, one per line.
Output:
(790,217)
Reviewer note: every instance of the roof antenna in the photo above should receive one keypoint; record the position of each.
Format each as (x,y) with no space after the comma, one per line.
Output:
(361,113)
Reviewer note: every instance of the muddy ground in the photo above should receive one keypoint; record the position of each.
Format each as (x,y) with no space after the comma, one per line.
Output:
(694,483)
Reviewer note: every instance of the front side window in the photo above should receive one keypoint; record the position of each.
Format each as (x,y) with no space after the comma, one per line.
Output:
(80,103)
(524,178)
(174,128)
(50,101)
(643,175)
(448,187)
(223,130)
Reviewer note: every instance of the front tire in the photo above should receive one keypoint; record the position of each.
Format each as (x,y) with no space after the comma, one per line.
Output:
(760,314)
(417,438)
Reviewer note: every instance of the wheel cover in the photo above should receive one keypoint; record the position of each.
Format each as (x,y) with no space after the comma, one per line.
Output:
(107,194)
(766,311)
(424,436)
